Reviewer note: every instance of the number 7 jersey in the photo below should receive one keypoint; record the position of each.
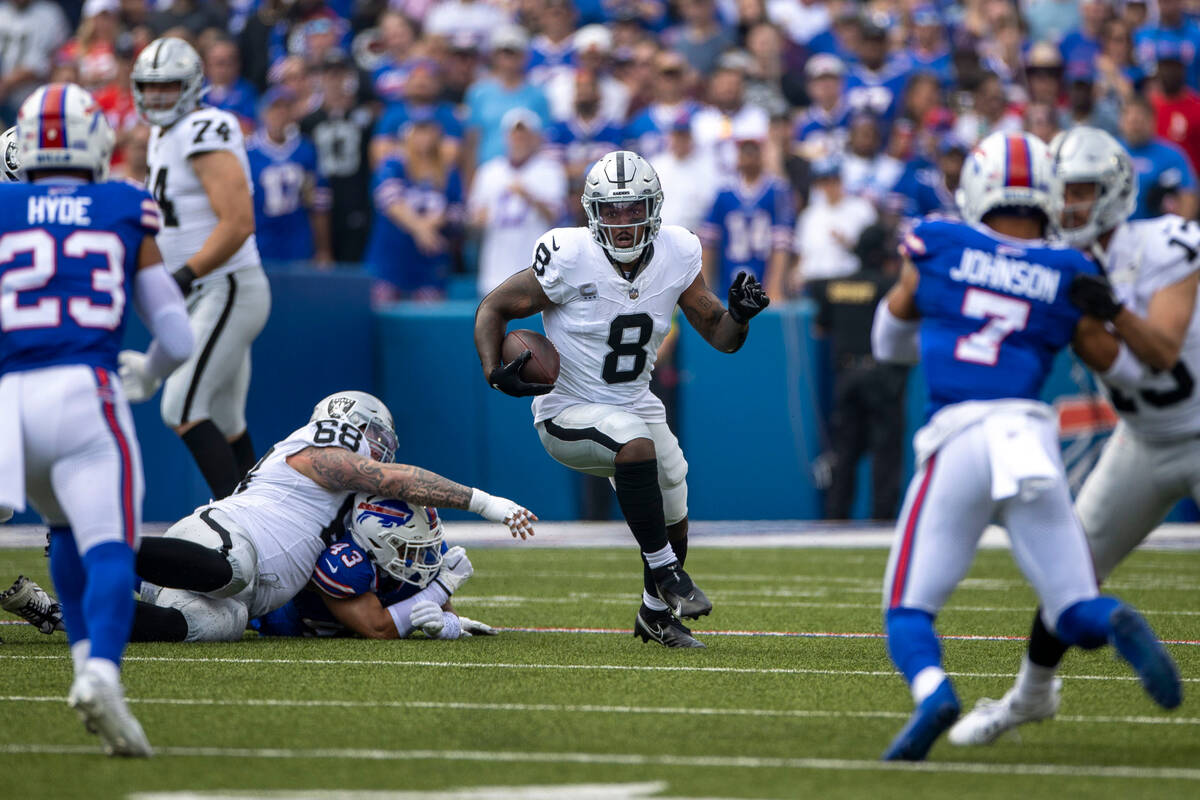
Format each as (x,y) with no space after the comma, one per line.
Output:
(608,329)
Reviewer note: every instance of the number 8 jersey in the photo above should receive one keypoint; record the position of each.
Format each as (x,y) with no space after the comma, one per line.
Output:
(608,329)
(188,217)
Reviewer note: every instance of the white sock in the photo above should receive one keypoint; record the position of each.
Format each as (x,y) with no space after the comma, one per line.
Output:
(660,558)
(106,669)
(926,683)
(1034,680)
(79,654)
(651,602)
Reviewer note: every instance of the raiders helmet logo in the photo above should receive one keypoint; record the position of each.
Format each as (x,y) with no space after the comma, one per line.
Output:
(10,157)
(340,407)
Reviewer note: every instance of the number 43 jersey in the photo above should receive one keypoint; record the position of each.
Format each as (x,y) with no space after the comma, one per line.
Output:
(1144,257)
(608,329)
(188,217)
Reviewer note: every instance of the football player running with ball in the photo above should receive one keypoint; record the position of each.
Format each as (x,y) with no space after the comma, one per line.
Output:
(607,294)
(1152,460)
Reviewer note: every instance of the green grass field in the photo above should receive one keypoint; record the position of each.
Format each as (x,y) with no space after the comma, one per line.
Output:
(748,717)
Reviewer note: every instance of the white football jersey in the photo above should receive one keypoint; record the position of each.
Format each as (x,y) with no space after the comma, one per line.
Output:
(187,215)
(607,329)
(286,514)
(1145,256)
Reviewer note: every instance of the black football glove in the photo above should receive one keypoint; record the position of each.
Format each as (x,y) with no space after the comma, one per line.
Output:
(746,298)
(1092,294)
(185,276)
(507,378)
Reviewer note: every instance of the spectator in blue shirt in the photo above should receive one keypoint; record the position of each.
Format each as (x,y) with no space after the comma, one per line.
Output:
(822,128)
(505,88)
(841,38)
(647,131)
(929,188)
(1083,43)
(1173,26)
(702,37)
(876,82)
(291,198)
(552,49)
(1166,182)
(397,35)
(930,51)
(226,89)
(418,202)
(583,138)
(422,88)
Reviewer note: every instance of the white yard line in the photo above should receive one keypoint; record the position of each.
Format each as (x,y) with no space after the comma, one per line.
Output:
(637,759)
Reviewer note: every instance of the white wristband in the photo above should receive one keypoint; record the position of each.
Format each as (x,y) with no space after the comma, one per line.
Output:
(479,501)
(400,618)
(1126,372)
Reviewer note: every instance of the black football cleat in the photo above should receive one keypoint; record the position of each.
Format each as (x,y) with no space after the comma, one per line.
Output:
(682,596)
(662,627)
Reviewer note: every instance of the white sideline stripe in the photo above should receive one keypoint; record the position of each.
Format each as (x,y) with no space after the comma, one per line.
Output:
(577,709)
(378,663)
(637,759)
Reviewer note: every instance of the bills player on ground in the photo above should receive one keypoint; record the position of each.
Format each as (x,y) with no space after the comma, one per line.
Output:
(200,177)
(989,300)
(72,250)
(607,294)
(389,575)
(246,555)
(1152,461)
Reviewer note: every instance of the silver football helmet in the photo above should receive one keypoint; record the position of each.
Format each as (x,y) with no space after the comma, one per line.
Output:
(366,413)
(168,60)
(12,164)
(1090,155)
(405,540)
(623,198)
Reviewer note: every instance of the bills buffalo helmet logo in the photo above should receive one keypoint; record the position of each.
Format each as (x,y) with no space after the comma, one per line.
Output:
(389,513)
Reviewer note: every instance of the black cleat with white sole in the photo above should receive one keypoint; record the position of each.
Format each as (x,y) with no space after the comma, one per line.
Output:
(682,596)
(662,627)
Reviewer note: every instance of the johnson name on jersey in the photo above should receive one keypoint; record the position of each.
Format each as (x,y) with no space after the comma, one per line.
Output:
(1145,256)
(994,310)
(608,329)
(68,254)
(187,214)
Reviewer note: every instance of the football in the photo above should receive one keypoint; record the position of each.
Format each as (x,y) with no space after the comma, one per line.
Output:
(543,366)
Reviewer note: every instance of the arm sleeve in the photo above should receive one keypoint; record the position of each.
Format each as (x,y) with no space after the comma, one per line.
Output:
(893,339)
(402,611)
(160,305)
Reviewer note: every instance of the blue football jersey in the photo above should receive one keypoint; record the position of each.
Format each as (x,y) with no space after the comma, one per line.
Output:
(878,93)
(994,310)
(823,132)
(573,141)
(280,173)
(68,254)
(748,224)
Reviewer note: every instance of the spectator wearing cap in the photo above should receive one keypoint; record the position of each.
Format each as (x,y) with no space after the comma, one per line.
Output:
(1083,43)
(647,131)
(876,82)
(291,197)
(688,175)
(1161,167)
(418,200)
(1178,33)
(422,89)
(551,50)
(226,88)
(829,227)
(800,20)
(514,199)
(990,113)
(586,136)
(1176,106)
(478,19)
(821,128)
(1086,105)
(34,29)
(929,188)
(929,50)
(460,62)
(592,46)
(748,228)
(702,37)
(1044,80)
(727,109)
(341,131)
(504,89)
(397,37)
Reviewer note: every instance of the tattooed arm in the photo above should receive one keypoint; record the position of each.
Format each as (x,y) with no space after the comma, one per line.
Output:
(340,470)
(518,297)
(710,319)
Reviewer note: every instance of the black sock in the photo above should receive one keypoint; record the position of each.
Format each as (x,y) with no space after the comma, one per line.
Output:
(214,457)
(1045,649)
(243,453)
(180,564)
(648,579)
(154,624)
(641,503)
(680,548)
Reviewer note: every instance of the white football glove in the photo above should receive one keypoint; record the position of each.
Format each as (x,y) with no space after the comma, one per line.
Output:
(139,387)
(427,615)
(456,568)
(473,627)
(498,509)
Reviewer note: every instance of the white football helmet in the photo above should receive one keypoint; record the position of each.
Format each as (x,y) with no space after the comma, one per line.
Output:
(10,148)
(368,414)
(1090,155)
(168,60)
(404,539)
(623,181)
(1008,170)
(60,126)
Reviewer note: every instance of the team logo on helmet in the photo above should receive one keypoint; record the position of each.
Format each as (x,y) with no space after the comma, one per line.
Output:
(390,514)
(341,406)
